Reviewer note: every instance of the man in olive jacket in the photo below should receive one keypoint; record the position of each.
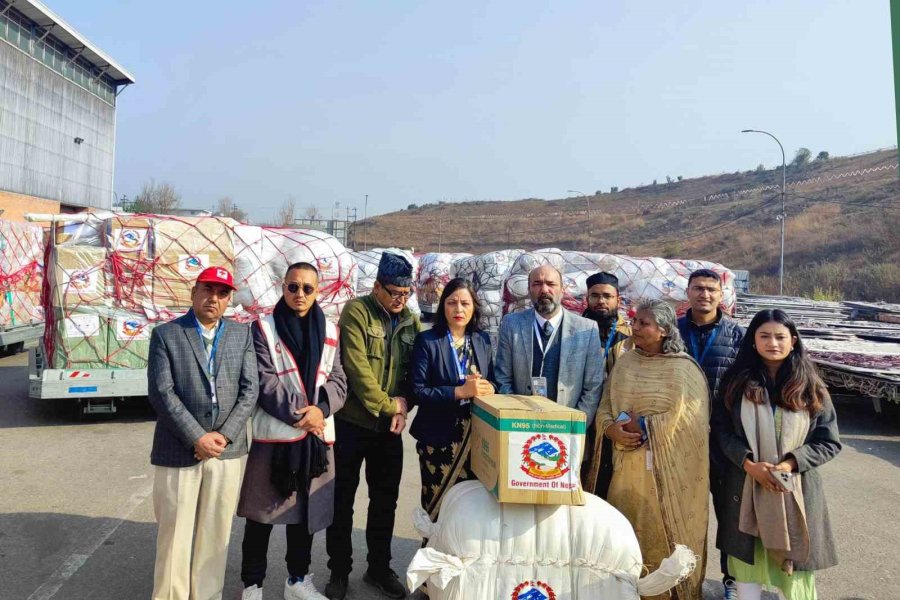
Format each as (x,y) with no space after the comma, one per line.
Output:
(377,334)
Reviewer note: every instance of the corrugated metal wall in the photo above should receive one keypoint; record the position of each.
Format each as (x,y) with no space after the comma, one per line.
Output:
(41,114)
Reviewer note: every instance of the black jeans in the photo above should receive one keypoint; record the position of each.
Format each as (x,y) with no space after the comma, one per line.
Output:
(255,549)
(719,495)
(382,451)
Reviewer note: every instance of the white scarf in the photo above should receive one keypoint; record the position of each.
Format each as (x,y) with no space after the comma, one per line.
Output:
(267,428)
(777,519)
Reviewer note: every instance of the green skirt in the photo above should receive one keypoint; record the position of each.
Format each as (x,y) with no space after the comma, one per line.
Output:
(766,571)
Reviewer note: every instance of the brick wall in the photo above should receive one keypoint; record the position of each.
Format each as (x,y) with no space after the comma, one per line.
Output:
(16,205)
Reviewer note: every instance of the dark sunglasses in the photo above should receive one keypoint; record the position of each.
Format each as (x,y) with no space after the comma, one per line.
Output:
(296,287)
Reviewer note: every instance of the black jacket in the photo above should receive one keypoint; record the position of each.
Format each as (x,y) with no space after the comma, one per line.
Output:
(435,375)
(720,355)
(716,360)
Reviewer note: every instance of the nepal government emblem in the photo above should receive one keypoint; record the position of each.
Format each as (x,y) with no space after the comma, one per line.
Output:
(545,457)
(132,328)
(193,264)
(533,590)
(130,239)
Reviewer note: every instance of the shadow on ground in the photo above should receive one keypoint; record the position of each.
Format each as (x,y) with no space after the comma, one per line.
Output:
(35,546)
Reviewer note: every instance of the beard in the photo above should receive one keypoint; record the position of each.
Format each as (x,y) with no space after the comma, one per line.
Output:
(601,315)
(545,305)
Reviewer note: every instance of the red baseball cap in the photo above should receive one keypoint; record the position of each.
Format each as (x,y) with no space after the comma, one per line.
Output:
(218,275)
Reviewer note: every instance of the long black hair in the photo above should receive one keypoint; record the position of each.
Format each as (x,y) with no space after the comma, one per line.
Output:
(801,386)
(440,317)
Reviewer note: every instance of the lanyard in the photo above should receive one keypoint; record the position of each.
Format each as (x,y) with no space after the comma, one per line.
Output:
(460,360)
(540,341)
(700,356)
(609,340)
(211,361)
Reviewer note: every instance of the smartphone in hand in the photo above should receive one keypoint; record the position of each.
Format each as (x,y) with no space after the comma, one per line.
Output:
(784,479)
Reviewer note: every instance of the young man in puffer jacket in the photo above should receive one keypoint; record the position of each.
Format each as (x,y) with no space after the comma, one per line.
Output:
(713,339)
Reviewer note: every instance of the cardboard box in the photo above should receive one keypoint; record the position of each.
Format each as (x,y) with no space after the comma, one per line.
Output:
(184,247)
(128,343)
(130,246)
(80,340)
(79,277)
(527,449)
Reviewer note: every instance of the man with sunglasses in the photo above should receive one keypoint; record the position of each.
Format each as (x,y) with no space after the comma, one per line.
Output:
(290,473)
(377,334)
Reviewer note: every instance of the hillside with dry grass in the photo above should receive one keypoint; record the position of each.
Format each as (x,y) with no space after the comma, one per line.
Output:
(843,225)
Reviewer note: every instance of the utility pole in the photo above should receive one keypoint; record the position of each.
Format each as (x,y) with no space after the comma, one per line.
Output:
(590,224)
(366,225)
(440,230)
(783,216)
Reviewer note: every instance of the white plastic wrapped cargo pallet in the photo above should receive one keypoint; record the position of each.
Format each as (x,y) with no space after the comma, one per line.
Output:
(657,278)
(263,254)
(21,279)
(487,272)
(480,548)
(367,265)
(434,273)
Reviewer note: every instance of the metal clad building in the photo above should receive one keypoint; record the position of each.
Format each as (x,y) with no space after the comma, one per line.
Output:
(57,111)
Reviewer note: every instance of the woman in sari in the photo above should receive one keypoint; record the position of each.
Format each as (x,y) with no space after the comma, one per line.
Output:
(655,410)
(451,364)
(776,426)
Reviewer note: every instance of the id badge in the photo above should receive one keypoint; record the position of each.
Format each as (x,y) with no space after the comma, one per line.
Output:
(539,386)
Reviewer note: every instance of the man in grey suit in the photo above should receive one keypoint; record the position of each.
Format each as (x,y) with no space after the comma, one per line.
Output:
(202,382)
(551,352)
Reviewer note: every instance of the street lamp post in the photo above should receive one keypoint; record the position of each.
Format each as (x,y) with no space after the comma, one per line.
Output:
(590,224)
(783,216)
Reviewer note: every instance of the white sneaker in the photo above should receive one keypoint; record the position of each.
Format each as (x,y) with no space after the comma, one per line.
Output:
(303,590)
(252,593)
(730,591)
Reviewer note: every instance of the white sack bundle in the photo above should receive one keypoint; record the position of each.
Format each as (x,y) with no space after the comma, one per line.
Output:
(263,254)
(655,278)
(434,273)
(480,548)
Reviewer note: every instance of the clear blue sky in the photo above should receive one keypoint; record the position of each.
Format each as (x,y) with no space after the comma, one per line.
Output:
(414,102)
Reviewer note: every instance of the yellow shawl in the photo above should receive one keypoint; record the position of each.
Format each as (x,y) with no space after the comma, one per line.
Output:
(663,486)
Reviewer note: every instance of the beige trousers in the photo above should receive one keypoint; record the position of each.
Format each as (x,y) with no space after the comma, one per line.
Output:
(194,507)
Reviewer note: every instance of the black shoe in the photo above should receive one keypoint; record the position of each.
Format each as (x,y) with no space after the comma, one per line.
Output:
(336,588)
(388,583)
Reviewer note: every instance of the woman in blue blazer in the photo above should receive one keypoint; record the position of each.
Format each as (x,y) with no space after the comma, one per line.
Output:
(451,364)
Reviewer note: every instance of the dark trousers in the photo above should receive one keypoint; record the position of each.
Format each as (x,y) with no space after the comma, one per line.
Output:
(382,451)
(255,549)
(719,495)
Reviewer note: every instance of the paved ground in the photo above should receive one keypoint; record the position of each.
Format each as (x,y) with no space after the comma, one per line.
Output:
(76,521)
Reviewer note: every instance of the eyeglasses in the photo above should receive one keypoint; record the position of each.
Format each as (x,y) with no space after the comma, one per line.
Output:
(398,295)
(603,296)
(699,289)
(296,287)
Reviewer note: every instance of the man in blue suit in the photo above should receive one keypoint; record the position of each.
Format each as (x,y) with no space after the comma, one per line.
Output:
(547,351)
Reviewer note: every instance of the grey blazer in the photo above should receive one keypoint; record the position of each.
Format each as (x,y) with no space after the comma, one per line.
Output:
(580,361)
(179,389)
